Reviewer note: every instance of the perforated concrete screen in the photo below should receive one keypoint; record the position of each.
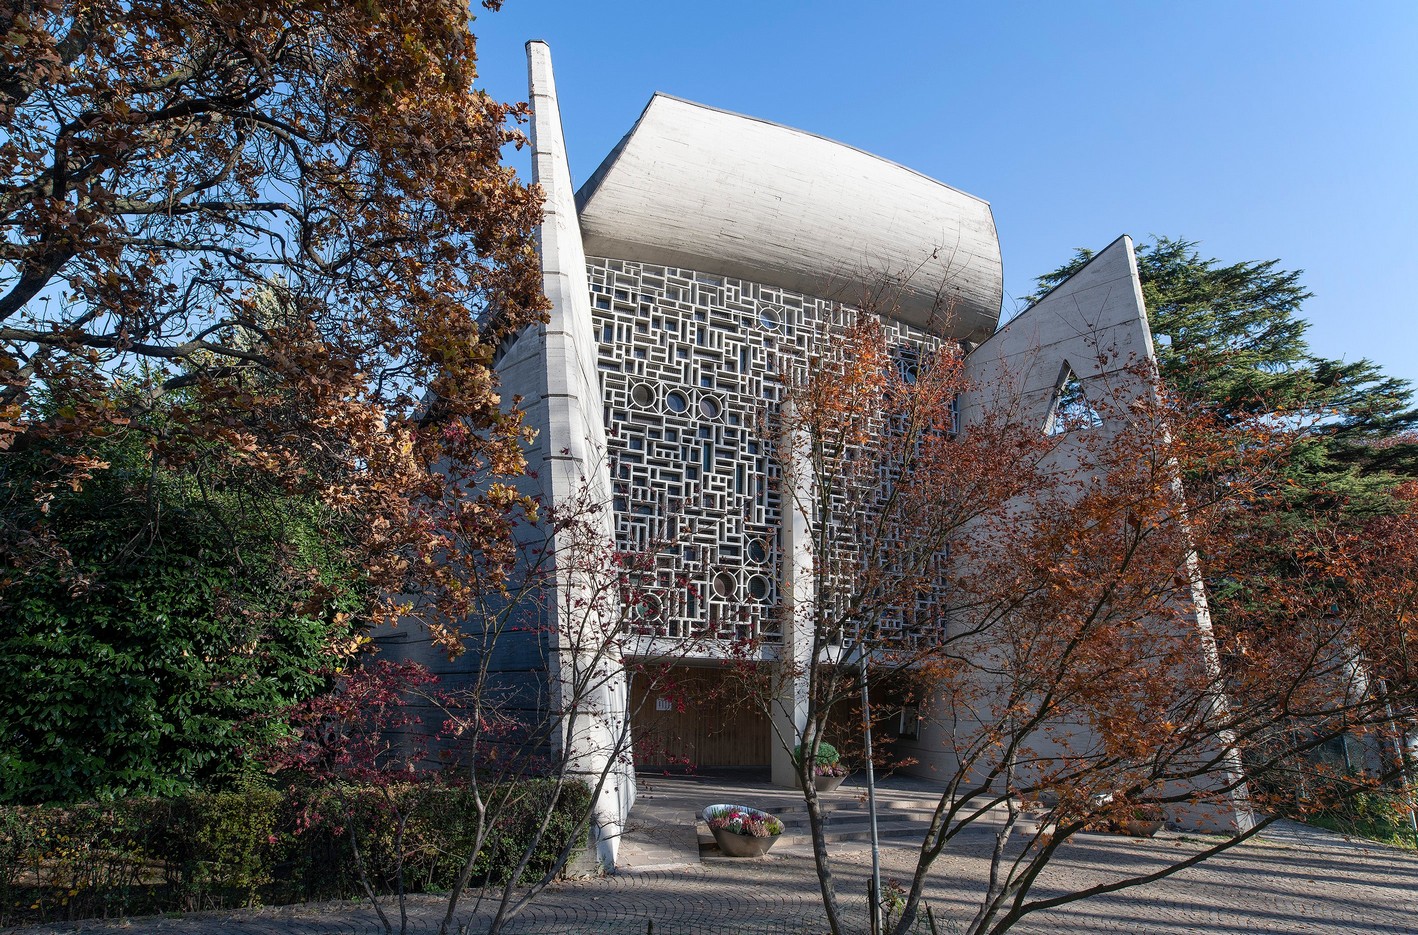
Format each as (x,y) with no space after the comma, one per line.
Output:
(692,369)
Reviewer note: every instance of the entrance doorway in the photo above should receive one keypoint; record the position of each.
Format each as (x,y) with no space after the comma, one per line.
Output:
(697,721)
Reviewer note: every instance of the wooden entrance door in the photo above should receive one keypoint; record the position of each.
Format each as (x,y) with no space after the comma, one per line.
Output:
(697,722)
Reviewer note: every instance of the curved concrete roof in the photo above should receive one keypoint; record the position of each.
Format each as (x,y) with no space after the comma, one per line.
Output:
(705,189)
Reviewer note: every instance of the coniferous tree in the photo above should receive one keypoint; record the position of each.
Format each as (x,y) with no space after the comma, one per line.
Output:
(1230,337)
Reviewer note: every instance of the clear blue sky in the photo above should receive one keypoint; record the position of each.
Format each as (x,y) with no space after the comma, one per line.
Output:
(1260,129)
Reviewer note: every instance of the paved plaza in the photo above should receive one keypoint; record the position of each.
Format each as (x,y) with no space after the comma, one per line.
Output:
(1295,880)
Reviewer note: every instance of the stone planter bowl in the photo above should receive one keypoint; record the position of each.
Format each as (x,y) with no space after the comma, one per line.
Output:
(828,783)
(1141,827)
(740,845)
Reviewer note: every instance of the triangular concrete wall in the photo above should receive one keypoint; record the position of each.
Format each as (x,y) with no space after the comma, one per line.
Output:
(1095,321)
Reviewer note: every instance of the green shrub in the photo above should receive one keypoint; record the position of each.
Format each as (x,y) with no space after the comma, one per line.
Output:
(827,754)
(17,840)
(198,851)
(519,823)
(259,845)
(77,861)
(1378,816)
(227,857)
(440,830)
(137,670)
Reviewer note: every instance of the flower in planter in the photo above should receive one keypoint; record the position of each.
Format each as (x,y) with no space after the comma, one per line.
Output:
(830,769)
(749,821)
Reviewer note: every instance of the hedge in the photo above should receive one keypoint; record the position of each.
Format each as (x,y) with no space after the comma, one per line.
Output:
(257,845)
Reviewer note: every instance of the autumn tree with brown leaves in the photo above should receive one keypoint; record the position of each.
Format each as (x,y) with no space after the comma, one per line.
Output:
(1044,592)
(275,241)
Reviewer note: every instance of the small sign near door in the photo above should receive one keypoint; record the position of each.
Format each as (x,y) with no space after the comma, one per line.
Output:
(664,704)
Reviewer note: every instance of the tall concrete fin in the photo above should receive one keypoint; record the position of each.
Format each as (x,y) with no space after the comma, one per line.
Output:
(570,340)
(553,366)
(799,595)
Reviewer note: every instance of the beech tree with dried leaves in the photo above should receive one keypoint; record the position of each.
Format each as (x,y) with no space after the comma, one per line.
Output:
(273,241)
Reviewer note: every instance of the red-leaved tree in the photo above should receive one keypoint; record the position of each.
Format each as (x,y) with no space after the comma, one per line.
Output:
(266,250)
(1044,590)
(290,221)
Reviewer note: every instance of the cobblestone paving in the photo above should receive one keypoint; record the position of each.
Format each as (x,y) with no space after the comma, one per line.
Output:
(1301,883)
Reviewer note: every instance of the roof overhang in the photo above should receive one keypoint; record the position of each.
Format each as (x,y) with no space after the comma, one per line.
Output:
(704,189)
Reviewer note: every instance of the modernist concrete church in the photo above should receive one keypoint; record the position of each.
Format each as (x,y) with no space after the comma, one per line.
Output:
(698,261)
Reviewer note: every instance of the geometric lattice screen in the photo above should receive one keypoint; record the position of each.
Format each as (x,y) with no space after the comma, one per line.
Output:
(691,368)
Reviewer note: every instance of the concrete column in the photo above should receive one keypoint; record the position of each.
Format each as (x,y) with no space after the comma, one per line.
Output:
(799,594)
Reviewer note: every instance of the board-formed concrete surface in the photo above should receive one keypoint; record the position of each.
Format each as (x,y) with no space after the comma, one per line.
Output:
(701,188)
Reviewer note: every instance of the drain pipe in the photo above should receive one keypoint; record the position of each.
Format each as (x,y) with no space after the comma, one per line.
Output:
(1402,740)
(875,894)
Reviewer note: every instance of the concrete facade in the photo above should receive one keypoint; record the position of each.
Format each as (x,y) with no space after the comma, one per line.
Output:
(698,267)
